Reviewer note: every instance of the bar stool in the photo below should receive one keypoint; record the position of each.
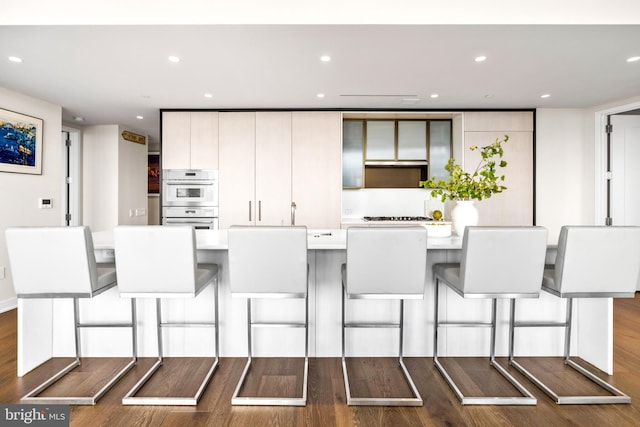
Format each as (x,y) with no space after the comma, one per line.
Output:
(497,262)
(59,262)
(383,263)
(159,262)
(269,262)
(592,262)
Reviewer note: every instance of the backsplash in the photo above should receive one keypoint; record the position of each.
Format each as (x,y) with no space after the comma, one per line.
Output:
(388,202)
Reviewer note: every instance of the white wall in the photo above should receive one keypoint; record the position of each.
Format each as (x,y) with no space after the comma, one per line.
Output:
(19,193)
(132,181)
(114,179)
(100,177)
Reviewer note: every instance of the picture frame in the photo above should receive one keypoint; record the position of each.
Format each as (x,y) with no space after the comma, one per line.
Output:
(20,143)
(153,173)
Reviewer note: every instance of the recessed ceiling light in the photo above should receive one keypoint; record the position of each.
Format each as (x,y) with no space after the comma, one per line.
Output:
(633,59)
(320,95)
(78,119)
(546,95)
(174,59)
(325,58)
(208,95)
(480,58)
(15,59)
(139,117)
(434,95)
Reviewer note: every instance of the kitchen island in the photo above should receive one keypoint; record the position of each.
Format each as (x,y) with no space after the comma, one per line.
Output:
(45,327)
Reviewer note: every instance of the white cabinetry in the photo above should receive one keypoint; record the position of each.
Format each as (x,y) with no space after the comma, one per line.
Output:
(316,168)
(515,205)
(190,140)
(255,168)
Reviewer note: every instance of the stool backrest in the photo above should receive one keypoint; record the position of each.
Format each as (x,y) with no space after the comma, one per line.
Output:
(386,261)
(268,260)
(598,260)
(155,258)
(52,260)
(503,260)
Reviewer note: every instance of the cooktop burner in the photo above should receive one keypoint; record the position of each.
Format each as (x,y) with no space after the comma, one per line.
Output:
(397,218)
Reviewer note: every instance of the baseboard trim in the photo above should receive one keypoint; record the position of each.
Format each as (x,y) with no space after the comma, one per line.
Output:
(8,304)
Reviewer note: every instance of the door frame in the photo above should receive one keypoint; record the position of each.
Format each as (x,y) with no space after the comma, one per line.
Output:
(75,172)
(600,156)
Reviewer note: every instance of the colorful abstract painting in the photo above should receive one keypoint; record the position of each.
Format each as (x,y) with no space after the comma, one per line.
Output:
(20,143)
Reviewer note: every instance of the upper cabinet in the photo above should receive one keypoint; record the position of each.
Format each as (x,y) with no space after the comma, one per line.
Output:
(398,153)
(190,140)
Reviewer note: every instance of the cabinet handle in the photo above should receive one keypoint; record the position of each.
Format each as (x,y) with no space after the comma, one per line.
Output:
(293,213)
(259,210)
(249,210)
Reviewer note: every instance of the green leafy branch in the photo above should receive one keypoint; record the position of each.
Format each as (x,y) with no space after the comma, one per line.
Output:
(481,184)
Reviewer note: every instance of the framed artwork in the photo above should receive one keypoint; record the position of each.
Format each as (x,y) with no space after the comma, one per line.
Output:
(20,143)
(153,173)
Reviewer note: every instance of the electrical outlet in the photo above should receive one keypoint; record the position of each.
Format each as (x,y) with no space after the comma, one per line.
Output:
(141,212)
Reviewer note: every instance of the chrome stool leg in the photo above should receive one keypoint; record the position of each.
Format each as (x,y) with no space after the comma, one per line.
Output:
(236,399)
(32,396)
(416,400)
(131,399)
(616,396)
(526,399)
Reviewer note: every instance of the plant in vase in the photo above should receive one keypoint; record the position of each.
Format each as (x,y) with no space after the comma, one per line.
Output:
(464,187)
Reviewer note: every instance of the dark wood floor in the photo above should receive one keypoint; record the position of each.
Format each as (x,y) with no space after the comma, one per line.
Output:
(326,398)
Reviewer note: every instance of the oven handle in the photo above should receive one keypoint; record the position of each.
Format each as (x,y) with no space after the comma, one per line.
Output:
(189,220)
(189,182)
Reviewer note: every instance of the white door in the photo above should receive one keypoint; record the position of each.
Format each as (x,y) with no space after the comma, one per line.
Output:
(625,174)
(625,179)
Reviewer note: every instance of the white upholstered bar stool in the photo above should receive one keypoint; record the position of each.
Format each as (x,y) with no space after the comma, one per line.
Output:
(383,263)
(592,262)
(269,262)
(59,262)
(159,262)
(497,262)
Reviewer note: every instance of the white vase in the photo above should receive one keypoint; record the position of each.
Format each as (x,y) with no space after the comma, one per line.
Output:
(463,214)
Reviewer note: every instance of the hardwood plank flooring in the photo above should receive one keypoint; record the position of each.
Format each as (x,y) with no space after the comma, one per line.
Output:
(326,399)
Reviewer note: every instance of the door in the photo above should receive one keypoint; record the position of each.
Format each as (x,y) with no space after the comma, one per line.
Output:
(625,173)
(624,194)
(71,159)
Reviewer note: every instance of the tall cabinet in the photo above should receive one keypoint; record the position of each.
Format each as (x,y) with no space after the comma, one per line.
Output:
(516,205)
(316,186)
(255,168)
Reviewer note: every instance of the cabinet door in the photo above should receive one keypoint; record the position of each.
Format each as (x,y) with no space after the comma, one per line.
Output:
(412,140)
(237,168)
(381,140)
(515,205)
(204,140)
(273,168)
(316,168)
(176,136)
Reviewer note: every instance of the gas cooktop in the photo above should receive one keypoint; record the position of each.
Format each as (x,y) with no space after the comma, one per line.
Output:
(397,218)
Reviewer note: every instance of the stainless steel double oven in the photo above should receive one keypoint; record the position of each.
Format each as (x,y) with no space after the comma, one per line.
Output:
(190,197)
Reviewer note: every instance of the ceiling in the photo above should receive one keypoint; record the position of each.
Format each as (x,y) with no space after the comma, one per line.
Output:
(109,74)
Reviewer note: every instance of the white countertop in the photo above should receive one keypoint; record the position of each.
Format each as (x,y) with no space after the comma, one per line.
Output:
(317,240)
